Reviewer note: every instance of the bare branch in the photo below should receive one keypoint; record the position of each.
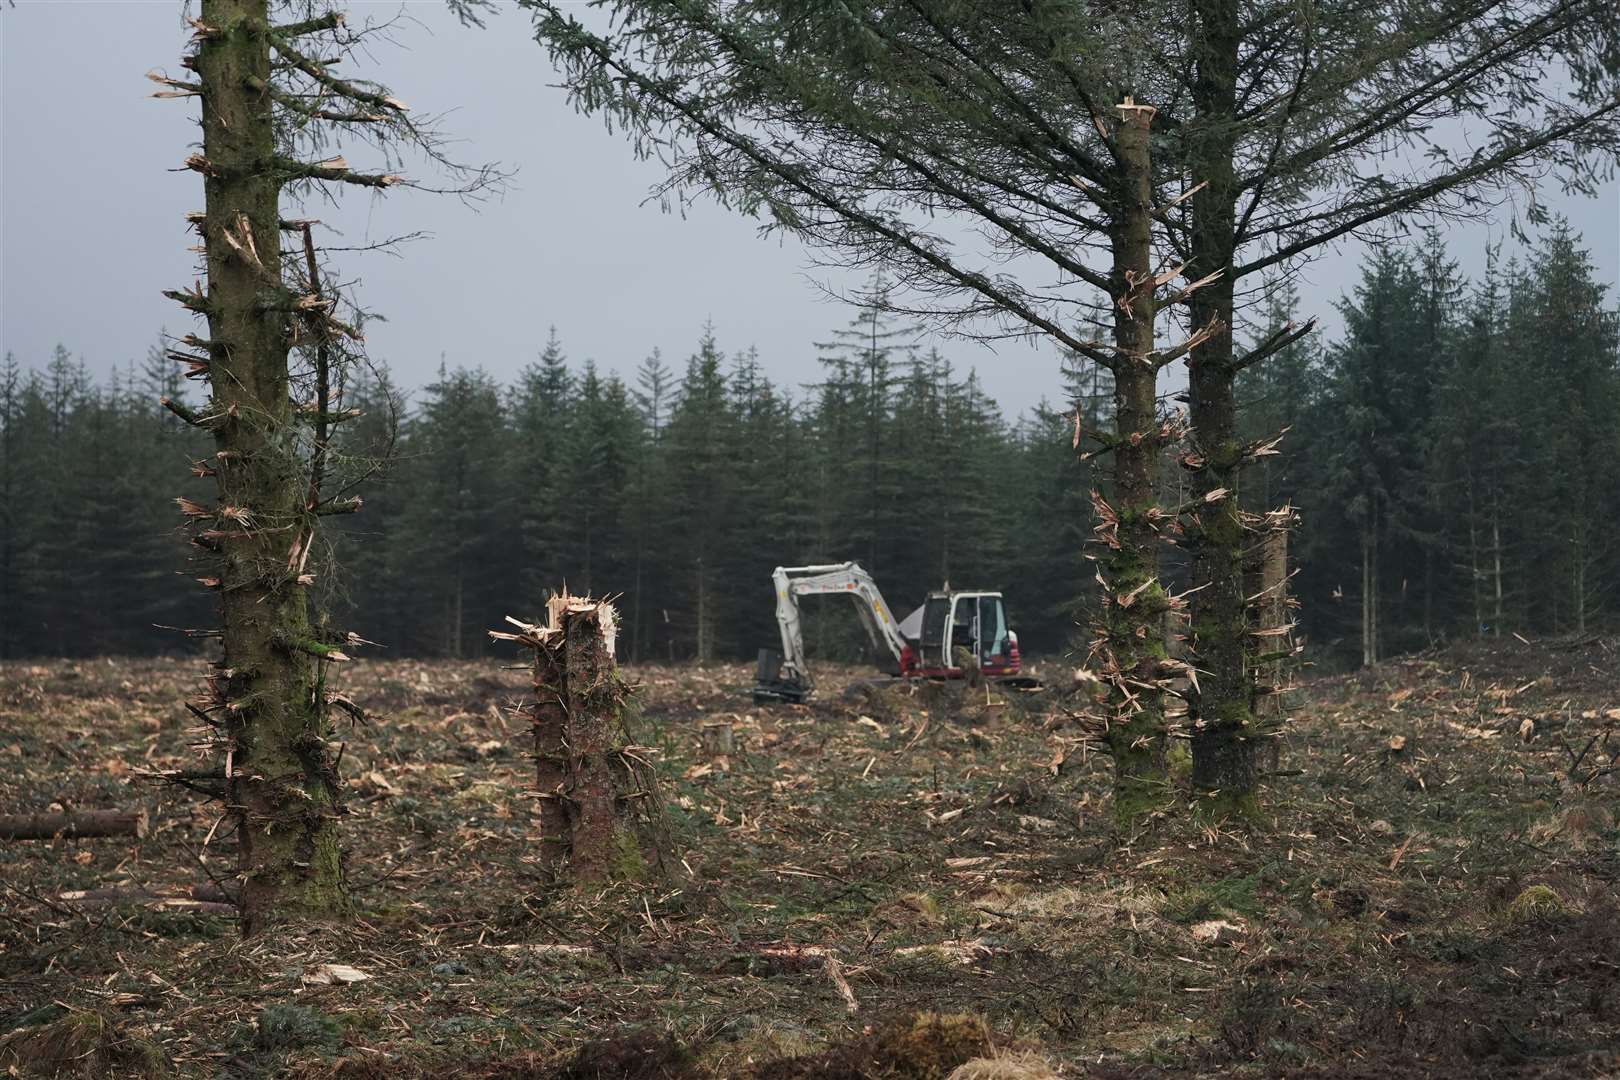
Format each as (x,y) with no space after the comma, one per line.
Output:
(335,169)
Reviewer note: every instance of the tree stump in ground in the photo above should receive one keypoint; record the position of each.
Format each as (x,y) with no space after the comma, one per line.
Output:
(718,739)
(599,813)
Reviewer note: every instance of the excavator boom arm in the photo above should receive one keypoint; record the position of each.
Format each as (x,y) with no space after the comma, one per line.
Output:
(793,582)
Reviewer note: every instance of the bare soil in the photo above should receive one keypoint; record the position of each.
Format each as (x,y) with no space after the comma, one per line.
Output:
(1432,890)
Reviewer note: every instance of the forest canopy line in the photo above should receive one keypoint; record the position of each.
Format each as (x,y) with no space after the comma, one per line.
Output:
(1438,498)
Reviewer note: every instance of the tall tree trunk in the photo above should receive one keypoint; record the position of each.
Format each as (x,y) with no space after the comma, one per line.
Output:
(1377,594)
(1475,571)
(1128,650)
(1273,615)
(1225,751)
(1368,592)
(1369,559)
(1428,592)
(1496,568)
(457,614)
(702,614)
(635,615)
(1578,595)
(268,689)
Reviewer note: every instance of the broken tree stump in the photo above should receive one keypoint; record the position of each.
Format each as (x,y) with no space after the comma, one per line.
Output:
(599,814)
(1273,615)
(1273,631)
(76,823)
(718,739)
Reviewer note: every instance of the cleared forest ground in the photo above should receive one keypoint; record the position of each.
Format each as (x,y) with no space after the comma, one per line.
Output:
(1434,891)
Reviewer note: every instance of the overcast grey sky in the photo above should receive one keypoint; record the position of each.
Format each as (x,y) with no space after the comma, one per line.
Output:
(91,223)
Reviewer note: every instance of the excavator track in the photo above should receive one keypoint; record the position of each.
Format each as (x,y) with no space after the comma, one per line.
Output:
(1019,683)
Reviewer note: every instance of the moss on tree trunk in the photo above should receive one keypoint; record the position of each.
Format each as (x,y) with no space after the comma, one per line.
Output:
(1129,649)
(268,698)
(1226,753)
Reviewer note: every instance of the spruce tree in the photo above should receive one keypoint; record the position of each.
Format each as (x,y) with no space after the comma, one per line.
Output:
(604,433)
(1566,338)
(541,406)
(862,361)
(273,352)
(886,118)
(454,446)
(701,436)
(653,398)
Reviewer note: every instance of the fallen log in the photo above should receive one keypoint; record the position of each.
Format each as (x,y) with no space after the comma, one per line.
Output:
(152,903)
(205,891)
(74,823)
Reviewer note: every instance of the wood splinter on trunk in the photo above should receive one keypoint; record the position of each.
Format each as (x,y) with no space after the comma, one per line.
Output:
(599,812)
(1270,609)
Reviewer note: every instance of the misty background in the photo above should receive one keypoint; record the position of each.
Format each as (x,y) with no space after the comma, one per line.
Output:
(92,199)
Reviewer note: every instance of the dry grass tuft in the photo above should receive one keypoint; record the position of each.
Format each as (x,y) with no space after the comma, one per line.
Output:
(80,1044)
(1537,904)
(913,1046)
(1087,905)
(1015,1066)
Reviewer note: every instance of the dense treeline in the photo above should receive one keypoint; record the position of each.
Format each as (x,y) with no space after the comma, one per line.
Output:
(90,550)
(682,488)
(1452,457)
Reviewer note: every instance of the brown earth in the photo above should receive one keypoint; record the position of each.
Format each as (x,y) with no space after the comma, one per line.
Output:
(867,887)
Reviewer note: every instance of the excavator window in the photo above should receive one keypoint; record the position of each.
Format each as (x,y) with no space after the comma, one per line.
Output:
(992,626)
(936,613)
(964,628)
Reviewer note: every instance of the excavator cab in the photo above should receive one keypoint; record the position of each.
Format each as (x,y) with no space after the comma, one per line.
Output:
(975,622)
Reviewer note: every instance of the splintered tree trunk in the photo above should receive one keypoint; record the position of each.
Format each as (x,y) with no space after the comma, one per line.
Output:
(1129,648)
(598,801)
(266,693)
(1272,615)
(1225,755)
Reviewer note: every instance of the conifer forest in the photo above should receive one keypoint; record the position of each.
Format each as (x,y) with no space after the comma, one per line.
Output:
(1246,706)
(1410,439)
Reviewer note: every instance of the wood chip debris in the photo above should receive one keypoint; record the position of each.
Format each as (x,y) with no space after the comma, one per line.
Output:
(333,974)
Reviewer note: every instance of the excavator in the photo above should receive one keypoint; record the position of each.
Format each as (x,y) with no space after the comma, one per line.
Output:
(953,635)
